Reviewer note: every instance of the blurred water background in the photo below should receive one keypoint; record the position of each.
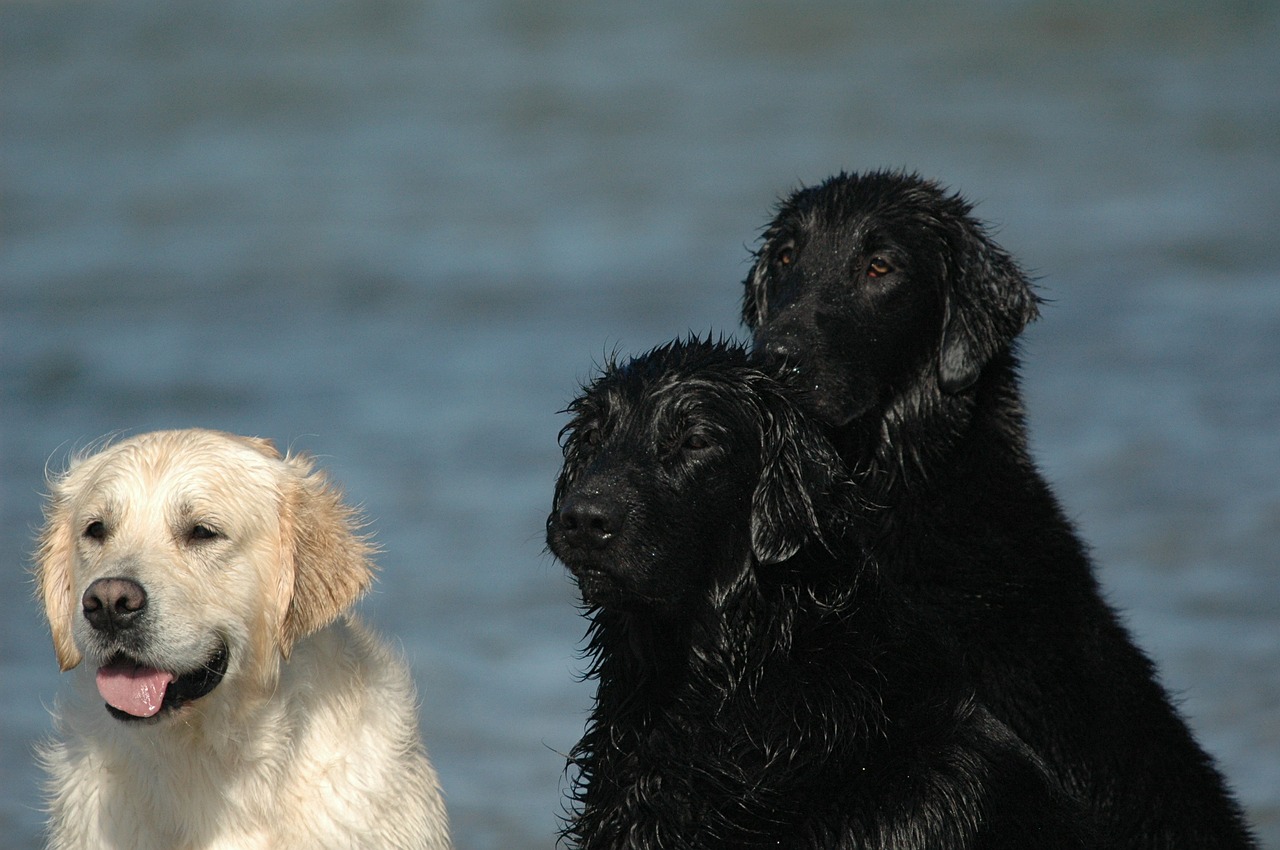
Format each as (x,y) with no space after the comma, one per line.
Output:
(398,234)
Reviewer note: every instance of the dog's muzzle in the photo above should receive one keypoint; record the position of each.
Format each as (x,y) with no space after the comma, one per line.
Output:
(116,608)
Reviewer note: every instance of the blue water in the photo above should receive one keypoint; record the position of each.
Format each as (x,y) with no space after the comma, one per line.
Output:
(398,234)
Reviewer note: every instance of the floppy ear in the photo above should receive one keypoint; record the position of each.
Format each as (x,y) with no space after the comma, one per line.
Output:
(754,291)
(792,494)
(326,562)
(988,301)
(53,576)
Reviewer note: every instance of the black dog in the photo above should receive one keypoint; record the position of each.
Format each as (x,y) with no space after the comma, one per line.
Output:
(759,685)
(885,298)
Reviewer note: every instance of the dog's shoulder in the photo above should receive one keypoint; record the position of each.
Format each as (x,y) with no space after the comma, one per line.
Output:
(348,704)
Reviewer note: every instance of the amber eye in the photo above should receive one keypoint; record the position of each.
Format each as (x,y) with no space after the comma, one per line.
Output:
(878,267)
(96,530)
(786,255)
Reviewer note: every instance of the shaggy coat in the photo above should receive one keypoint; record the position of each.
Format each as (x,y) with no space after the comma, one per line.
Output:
(759,684)
(883,297)
(196,585)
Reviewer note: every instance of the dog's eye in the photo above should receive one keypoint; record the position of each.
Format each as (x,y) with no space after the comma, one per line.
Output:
(878,267)
(200,532)
(592,437)
(786,255)
(696,442)
(96,530)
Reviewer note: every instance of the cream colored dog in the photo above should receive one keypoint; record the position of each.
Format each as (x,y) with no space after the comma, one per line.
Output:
(203,578)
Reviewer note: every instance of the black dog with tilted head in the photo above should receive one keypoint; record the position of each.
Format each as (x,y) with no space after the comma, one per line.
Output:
(881,295)
(759,685)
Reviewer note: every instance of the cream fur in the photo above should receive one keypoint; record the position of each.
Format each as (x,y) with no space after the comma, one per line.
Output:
(309,741)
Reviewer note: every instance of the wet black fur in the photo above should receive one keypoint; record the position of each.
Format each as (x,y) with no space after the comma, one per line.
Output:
(885,298)
(759,684)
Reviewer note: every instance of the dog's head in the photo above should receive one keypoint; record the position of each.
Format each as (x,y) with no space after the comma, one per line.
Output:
(680,465)
(867,284)
(175,560)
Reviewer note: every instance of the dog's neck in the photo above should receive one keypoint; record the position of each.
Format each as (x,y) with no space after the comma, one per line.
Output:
(671,698)
(719,643)
(921,442)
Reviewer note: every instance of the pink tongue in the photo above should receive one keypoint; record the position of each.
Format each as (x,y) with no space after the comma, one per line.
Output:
(132,689)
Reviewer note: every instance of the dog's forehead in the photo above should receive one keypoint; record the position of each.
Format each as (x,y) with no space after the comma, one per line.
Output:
(668,384)
(871,226)
(851,211)
(671,397)
(174,465)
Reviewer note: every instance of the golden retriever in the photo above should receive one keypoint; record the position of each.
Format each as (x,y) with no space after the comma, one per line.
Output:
(203,578)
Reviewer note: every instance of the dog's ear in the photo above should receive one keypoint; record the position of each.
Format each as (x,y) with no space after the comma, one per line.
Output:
(53,575)
(327,563)
(988,301)
(755,289)
(793,493)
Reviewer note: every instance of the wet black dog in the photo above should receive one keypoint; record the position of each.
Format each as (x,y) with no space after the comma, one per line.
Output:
(885,298)
(758,684)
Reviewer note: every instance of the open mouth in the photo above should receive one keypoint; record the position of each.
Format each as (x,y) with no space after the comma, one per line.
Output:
(136,692)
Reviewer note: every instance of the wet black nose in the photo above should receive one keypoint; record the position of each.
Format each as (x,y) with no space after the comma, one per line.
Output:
(113,603)
(590,522)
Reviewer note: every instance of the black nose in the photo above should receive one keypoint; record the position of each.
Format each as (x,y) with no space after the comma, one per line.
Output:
(590,522)
(113,603)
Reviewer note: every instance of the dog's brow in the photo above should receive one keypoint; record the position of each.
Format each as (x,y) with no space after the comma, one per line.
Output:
(583,410)
(810,221)
(187,510)
(107,510)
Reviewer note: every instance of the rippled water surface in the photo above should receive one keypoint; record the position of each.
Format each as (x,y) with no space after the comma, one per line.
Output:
(398,235)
